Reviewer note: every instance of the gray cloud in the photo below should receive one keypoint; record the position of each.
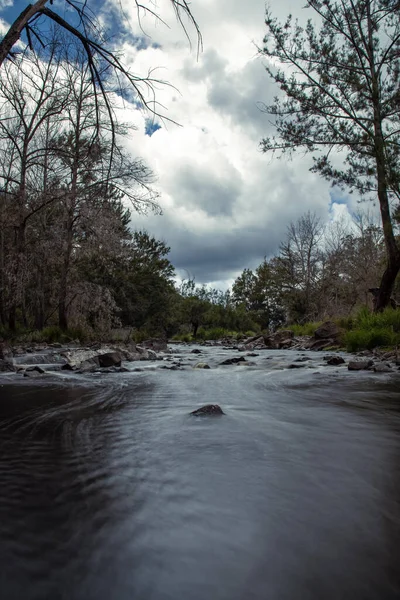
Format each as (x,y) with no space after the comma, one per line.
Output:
(197,187)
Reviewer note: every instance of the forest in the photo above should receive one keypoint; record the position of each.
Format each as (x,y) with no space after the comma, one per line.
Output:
(72,265)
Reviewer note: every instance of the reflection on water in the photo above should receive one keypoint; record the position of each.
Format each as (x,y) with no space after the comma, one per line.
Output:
(113,491)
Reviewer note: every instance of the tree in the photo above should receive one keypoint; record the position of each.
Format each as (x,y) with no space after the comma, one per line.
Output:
(78,20)
(299,258)
(31,95)
(340,98)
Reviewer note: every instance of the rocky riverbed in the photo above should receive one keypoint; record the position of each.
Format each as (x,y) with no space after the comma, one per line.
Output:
(44,360)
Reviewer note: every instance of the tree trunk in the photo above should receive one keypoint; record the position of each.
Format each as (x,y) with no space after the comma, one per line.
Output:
(392,250)
(383,297)
(62,301)
(14,33)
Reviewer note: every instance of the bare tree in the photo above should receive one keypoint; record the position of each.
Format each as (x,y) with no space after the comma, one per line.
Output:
(30,95)
(87,32)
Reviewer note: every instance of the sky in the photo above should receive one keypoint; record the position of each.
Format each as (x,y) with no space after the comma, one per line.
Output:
(225,204)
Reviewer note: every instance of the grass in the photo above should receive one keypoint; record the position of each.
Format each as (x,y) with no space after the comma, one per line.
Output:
(364,330)
(214,333)
(306,329)
(370,330)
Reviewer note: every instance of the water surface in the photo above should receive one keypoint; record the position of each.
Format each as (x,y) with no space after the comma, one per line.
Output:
(109,489)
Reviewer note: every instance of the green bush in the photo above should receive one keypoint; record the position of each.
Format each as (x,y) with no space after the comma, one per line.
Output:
(364,339)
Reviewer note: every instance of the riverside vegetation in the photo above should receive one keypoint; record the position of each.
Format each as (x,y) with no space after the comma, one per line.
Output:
(71,267)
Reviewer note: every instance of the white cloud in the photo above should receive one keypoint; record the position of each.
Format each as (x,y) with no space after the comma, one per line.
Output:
(225,204)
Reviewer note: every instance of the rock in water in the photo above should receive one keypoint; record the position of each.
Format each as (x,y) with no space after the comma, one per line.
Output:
(208,409)
(110,359)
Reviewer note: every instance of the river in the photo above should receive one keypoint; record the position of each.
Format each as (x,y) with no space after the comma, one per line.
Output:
(109,489)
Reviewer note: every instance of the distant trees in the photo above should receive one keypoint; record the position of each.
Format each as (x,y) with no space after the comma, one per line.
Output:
(340,102)
(319,272)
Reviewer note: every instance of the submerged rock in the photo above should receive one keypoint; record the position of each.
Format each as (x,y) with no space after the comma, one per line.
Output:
(201,365)
(208,409)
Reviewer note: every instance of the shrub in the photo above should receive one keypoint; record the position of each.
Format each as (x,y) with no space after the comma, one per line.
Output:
(306,329)
(361,339)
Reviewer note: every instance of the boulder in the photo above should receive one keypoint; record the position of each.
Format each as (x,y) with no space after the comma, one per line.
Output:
(195,351)
(109,359)
(233,361)
(320,344)
(327,330)
(146,354)
(89,365)
(6,366)
(296,366)
(382,368)
(35,368)
(32,374)
(279,339)
(251,340)
(335,360)
(360,365)
(156,344)
(201,365)
(208,409)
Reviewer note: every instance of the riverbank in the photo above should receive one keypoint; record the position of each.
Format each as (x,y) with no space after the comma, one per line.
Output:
(43,361)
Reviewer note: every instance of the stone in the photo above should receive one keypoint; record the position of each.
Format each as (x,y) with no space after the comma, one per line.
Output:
(89,365)
(329,329)
(67,367)
(296,366)
(35,368)
(146,354)
(382,368)
(233,361)
(201,365)
(335,360)
(279,338)
(156,344)
(208,409)
(6,366)
(32,374)
(195,351)
(320,344)
(360,365)
(109,359)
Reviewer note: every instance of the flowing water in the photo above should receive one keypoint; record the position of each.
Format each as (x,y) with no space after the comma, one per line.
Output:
(109,489)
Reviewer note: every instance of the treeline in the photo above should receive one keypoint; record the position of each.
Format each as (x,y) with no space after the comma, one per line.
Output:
(321,271)
(69,259)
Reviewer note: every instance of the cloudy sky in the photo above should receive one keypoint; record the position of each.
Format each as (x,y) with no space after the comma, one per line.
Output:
(225,205)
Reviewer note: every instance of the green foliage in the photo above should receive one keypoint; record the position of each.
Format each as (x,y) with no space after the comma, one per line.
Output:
(216,333)
(387,319)
(371,330)
(306,329)
(362,339)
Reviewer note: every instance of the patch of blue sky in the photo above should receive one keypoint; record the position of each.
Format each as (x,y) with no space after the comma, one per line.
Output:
(151,127)
(338,196)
